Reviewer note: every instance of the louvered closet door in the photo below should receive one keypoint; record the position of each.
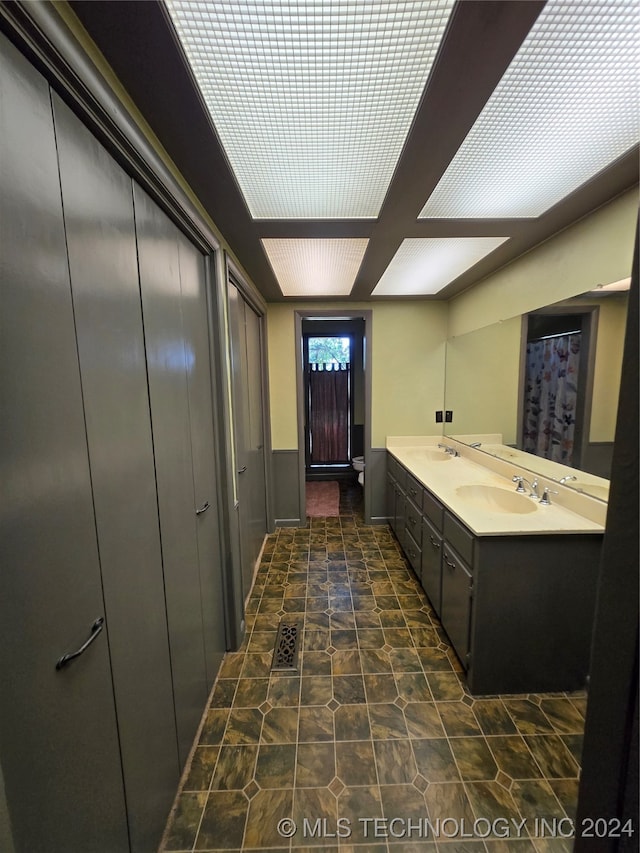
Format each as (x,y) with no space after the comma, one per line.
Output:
(59,746)
(98,212)
(170,357)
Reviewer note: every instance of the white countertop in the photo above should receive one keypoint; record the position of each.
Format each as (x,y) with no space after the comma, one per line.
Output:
(444,476)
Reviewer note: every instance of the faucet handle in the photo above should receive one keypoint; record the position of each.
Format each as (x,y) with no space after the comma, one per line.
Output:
(545,499)
(520,481)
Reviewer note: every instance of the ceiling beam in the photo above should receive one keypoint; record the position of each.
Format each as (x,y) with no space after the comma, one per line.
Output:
(481,39)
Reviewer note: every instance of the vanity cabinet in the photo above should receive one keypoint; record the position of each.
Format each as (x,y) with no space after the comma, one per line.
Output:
(518,609)
(457,591)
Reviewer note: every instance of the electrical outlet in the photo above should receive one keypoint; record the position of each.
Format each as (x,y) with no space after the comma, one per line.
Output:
(448,416)
(439,416)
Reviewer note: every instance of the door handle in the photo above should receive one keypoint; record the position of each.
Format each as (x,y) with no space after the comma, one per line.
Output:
(96,628)
(242,470)
(205,506)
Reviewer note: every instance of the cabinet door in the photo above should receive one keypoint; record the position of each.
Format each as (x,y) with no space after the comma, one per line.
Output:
(456,602)
(431,575)
(59,745)
(98,214)
(193,283)
(169,358)
(400,516)
(391,501)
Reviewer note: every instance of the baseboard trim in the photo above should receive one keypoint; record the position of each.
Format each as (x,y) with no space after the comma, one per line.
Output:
(380,519)
(288,522)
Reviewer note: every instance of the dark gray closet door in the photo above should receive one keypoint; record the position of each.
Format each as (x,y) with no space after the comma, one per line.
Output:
(169,358)
(58,736)
(246,373)
(98,212)
(193,284)
(255,433)
(240,395)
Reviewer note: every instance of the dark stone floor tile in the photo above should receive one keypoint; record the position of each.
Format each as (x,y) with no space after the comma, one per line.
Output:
(566,790)
(434,760)
(316,724)
(380,687)
(413,687)
(346,662)
(434,660)
(251,692)
(458,719)
(553,756)
(492,801)
(387,721)
(405,660)
(284,690)
(275,766)
(535,799)
(266,810)
(395,762)
(448,800)
(355,763)
(223,821)
(563,715)
(358,804)
(185,822)
(316,663)
(311,805)
(244,726)
(348,689)
(352,723)
(474,759)
(529,718)
(203,763)
(280,726)
(316,690)
(315,765)
(493,717)
(214,726)
(235,767)
(423,720)
(445,686)
(514,757)
(375,661)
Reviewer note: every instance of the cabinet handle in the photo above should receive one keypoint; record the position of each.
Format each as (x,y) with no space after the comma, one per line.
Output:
(203,508)
(242,470)
(433,542)
(449,563)
(96,628)
(412,520)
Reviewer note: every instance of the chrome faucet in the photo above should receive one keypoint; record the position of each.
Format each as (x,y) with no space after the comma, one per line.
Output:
(520,487)
(475,444)
(449,449)
(545,499)
(563,480)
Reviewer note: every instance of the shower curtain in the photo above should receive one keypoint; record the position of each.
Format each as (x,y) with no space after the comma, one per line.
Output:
(329,413)
(551,392)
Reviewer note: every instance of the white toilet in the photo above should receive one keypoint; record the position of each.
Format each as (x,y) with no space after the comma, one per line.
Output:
(358,465)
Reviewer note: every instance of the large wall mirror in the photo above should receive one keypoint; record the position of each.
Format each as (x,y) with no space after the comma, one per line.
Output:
(504,381)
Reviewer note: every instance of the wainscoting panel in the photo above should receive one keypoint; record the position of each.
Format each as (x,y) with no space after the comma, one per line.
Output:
(286,498)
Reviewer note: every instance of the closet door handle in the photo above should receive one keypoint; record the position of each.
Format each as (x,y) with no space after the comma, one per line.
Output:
(205,506)
(96,628)
(242,470)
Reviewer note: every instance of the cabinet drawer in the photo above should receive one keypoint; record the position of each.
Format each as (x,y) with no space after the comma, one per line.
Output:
(459,537)
(396,470)
(432,509)
(414,491)
(413,552)
(413,520)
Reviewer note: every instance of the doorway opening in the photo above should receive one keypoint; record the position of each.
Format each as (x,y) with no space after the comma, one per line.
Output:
(328,403)
(334,392)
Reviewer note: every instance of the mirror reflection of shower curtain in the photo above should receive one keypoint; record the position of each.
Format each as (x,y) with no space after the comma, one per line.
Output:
(329,413)
(551,392)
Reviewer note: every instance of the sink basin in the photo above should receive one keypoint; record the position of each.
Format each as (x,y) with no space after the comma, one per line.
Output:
(436,456)
(495,499)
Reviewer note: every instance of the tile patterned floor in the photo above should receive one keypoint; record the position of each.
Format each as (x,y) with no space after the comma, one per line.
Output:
(374,744)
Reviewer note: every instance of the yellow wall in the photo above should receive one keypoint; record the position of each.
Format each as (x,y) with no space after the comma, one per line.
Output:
(483,372)
(407,347)
(608,368)
(596,250)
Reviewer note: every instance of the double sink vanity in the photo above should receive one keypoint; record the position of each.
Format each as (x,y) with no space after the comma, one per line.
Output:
(508,559)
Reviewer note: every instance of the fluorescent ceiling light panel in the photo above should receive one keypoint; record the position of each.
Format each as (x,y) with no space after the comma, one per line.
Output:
(311,100)
(315,267)
(565,109)
(424,266)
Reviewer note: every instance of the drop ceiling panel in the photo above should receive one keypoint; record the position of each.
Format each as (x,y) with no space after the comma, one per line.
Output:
(565,109)
(315,267)
(423,266)
(312,101)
